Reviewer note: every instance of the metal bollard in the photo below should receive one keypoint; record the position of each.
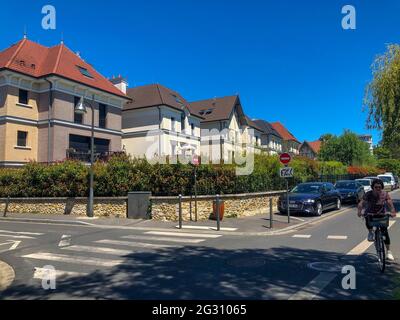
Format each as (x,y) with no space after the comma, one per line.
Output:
(218,210)
(180,211)
(271,224)
(6,208)
(190,208)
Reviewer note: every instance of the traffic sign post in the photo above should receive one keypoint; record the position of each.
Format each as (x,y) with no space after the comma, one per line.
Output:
(286,173)
(196,163)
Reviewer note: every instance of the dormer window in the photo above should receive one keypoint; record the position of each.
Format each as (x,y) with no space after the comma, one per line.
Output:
(22,63)
(206,112)
(85,72)
(177,99)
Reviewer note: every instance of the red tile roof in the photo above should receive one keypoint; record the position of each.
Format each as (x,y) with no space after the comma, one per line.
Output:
(315,145)
(38,61)
(285,133)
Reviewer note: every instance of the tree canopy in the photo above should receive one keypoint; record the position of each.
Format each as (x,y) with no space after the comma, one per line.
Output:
(347,148)
(382,99)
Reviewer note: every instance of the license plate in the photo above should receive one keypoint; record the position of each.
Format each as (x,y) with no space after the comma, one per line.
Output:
(293,205)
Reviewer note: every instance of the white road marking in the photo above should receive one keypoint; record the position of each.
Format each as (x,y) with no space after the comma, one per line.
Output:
(337,237)
(23,233)
(364,245)
(311,290)
(164,239)
(178,234)
(302,236)
(41,273)
(137,244)
(65,240)
(46,256)
(207,228)
(14,244)
(15,237)
(295,218)
(116,252)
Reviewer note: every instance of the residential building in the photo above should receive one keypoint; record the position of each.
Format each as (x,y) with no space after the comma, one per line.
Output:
(290,143)
(39,89)
(159,122)
(271,140)
(310,149)
(368,139)
(226,131)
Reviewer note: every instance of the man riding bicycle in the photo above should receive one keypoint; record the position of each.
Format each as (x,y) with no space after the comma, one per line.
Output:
(375,205)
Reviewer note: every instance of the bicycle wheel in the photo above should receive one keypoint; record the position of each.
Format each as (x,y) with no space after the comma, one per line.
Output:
(380,250)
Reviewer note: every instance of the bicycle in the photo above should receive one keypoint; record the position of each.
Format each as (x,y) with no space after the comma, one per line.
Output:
(377,222)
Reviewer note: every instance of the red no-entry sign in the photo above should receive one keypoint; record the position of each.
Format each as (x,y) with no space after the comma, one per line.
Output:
(285,158)
(196,160)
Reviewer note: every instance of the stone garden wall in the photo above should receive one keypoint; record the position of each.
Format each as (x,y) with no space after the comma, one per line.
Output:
(163,208)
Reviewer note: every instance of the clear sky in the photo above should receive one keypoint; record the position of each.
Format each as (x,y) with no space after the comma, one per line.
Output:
(290,61)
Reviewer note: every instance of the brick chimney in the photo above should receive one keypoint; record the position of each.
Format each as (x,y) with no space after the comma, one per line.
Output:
(120,82)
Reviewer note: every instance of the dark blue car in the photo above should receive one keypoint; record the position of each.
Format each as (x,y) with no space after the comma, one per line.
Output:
(311,198)
(350,190)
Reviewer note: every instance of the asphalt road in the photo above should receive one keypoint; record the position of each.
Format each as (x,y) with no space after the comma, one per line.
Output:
(98,263)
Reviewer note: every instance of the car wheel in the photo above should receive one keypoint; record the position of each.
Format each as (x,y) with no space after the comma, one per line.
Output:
(318,206)
(338,204)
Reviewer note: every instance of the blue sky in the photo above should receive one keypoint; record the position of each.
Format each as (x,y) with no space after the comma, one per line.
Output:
(290,61)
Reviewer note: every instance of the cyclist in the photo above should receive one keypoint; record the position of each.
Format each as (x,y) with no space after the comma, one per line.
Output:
(375,202)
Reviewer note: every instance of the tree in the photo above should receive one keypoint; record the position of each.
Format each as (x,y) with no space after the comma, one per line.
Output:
(381,152)
(347,148)
(382,98)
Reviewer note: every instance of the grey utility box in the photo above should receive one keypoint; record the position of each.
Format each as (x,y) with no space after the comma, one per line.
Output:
(138,205)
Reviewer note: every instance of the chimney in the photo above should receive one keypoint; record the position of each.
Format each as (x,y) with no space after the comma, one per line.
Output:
(120,82)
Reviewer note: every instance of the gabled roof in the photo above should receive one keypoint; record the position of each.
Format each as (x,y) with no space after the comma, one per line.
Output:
(267,128)
(253,124)
(156,95)
(315,145)
(217,109)
(285,133)
(35,60)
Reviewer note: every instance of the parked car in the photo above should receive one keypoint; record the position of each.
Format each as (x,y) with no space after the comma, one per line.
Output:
(366,183)
(388,181)
(350,190)
(311,198)
(396,179)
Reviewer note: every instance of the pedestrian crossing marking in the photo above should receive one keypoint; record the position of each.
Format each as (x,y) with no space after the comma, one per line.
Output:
(41,273)
(46,256)
(164,239)
(16,237)
(302,236)
(206,228)
(337,237)
(179,234)
(65,240)
(22,233)
(111,251)
(137,244)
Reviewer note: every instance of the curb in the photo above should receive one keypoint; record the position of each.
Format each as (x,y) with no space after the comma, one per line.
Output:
(50,221)
(232,233)
(7,276)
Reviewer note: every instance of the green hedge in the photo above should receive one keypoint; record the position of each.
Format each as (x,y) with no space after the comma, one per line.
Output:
(122,174)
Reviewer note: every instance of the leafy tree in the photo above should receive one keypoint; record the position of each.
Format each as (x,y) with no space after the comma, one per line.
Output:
(382,98)
(348,149)
(381,152)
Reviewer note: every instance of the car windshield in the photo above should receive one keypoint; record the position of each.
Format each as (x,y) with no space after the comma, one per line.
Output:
(346,185)
(386,179)
(365,182)
(307,188)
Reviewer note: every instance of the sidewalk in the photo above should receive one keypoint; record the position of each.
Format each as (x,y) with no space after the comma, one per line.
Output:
(255,225)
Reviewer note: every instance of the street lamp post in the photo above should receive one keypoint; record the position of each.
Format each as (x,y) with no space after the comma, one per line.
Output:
(81,109)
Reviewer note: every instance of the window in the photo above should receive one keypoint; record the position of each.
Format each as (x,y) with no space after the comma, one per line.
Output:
(206,112)
(78,118)
(85,72)
(173,124)
(177,99)
(23,97)
(182,123)
(192,128)
(102,115)
(22,138)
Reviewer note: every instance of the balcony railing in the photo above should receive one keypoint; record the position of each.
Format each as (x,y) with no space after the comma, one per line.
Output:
(85,156)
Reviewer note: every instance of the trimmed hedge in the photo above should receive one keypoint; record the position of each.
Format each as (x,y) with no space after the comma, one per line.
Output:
(122,174)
